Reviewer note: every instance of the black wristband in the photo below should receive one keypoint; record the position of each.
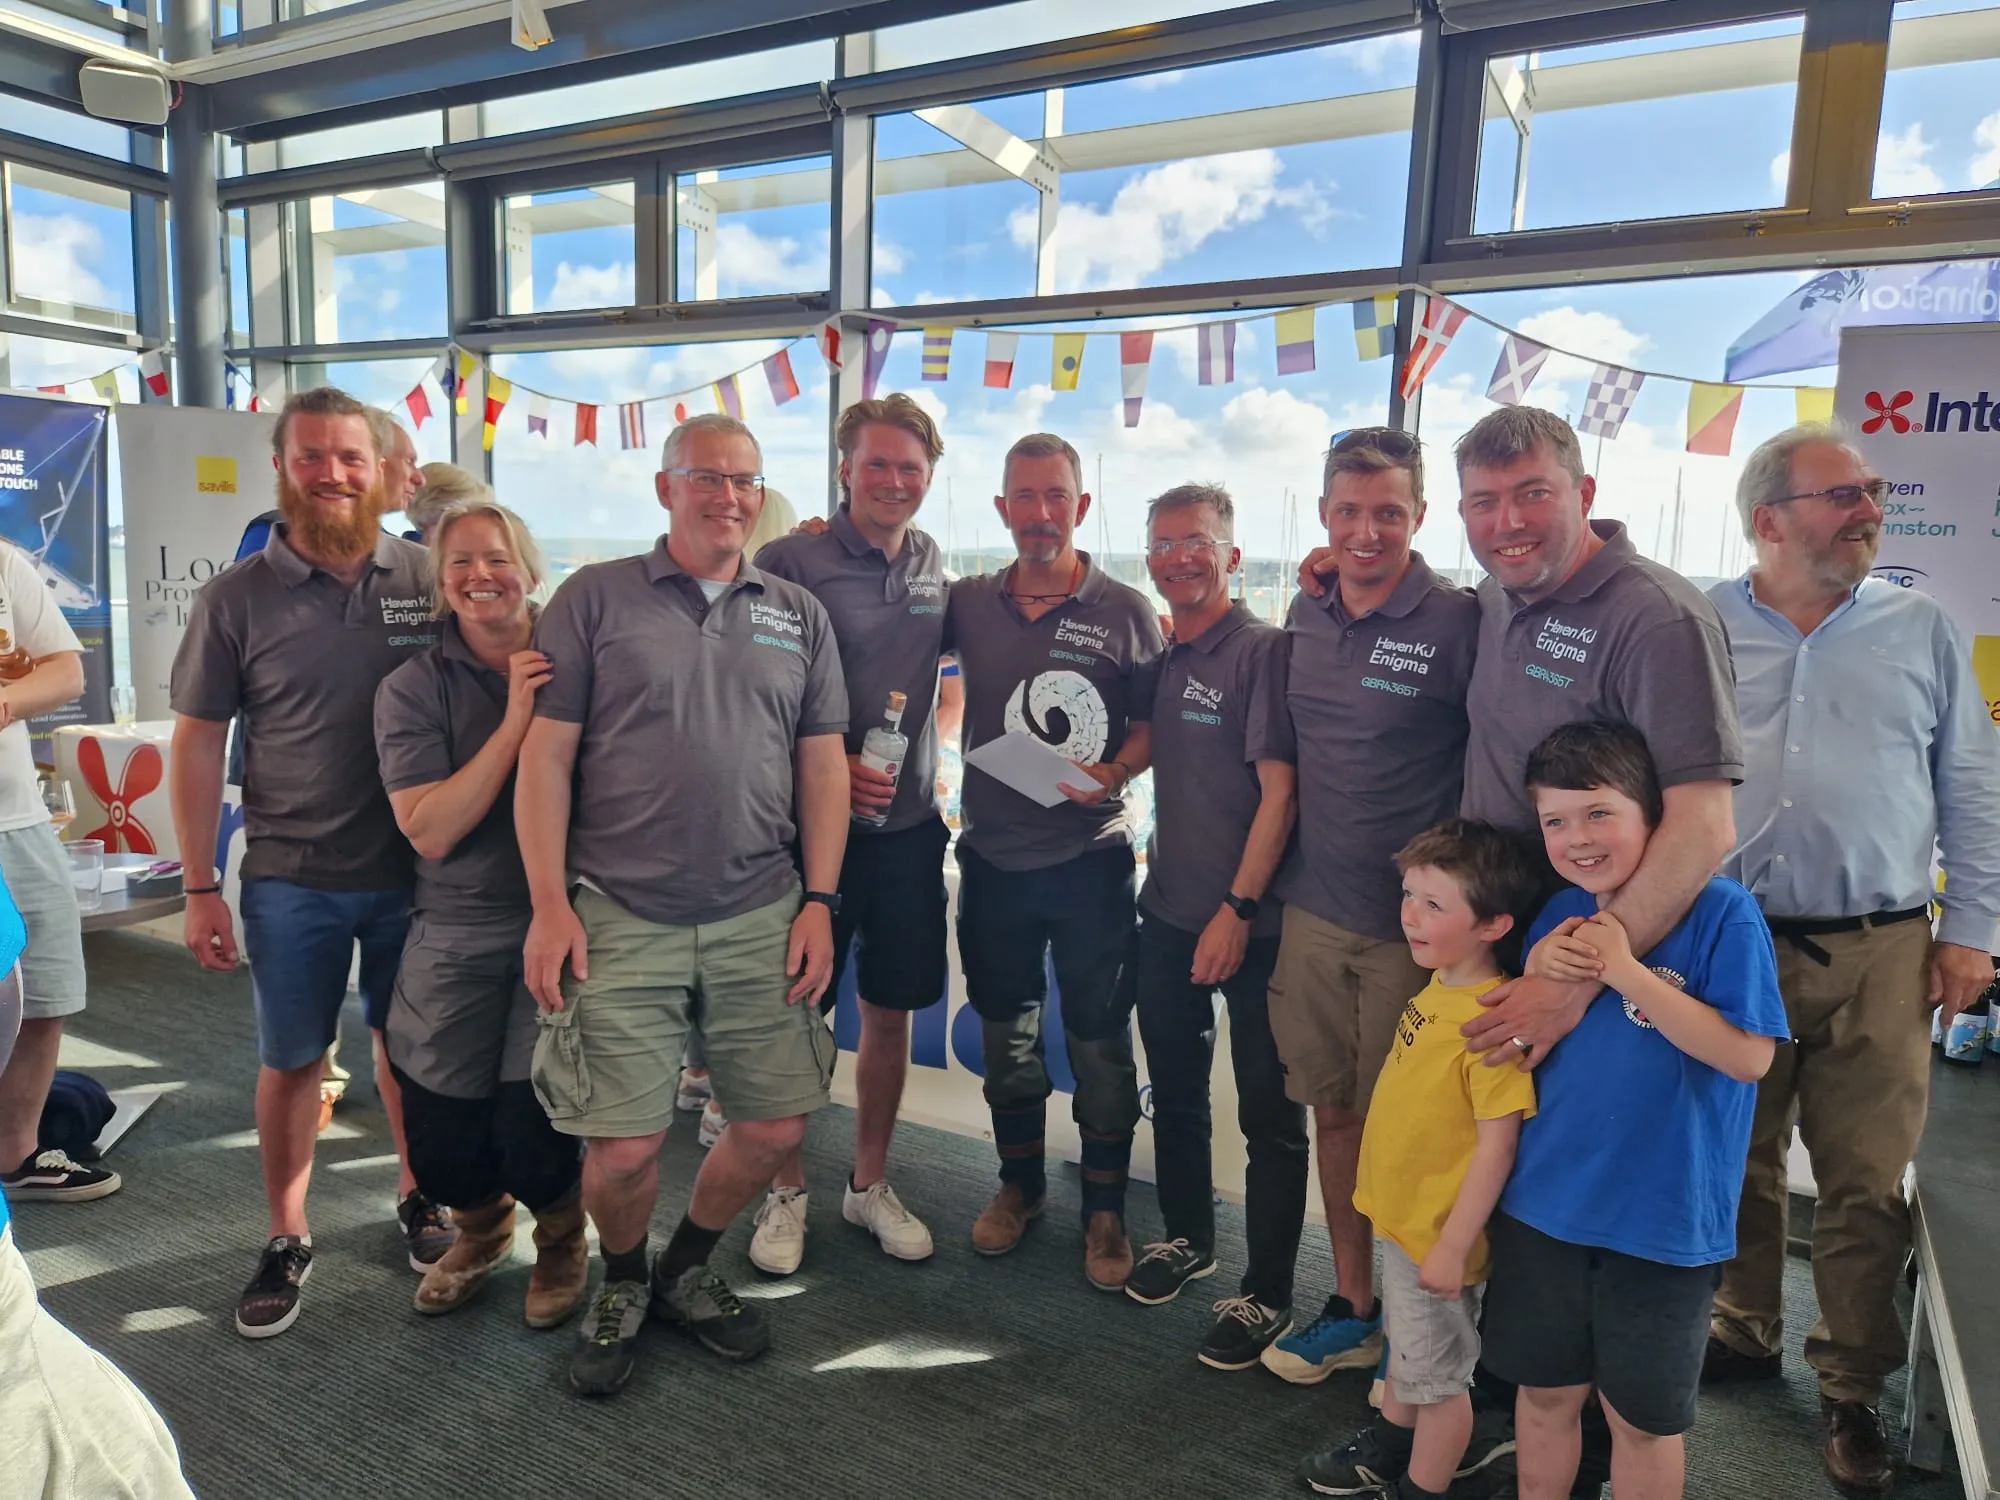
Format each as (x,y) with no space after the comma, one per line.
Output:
(201,890)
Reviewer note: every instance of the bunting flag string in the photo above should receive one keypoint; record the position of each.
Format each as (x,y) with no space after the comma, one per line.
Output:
(498,393)
(875,354)
(778,374)
(1436,326)
(1294,329)
(1521,360)
(1066,361)
(153,371)
(729,397)
(538,415)
(1375,326)
(632,425)
(1215,353)
(1609,400)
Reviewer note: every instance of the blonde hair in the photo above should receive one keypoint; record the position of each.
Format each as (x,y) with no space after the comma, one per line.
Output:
(444,486)
(520,541)
(894,410)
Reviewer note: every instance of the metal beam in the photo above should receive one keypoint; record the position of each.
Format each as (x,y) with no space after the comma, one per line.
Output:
(82,166)
(359,172)
(201,300)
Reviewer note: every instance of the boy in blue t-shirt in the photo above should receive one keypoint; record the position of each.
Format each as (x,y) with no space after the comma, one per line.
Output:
(1621,1211)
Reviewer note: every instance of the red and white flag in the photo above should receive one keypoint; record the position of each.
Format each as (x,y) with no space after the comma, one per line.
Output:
(632,425)
(153,370)
(1436,324)
(784,384)
(829,341)
(1215,353)
(1000,348)
(1135,363)
(586,425)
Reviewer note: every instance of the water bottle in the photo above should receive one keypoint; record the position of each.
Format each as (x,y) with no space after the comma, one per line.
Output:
(885,749)
(1965,1037)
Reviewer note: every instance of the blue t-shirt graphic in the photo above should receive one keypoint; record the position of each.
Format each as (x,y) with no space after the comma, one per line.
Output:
(13,941)
(1637,1147)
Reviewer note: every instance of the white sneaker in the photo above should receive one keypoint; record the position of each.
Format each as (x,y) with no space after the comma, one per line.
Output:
(879,1211)
(780,1241)
(713,1123)
(694,1091)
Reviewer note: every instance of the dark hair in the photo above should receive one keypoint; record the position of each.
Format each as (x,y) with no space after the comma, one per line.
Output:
(1591,753)
(321,401)
(1371,450)
(1512,433)
(1499,872)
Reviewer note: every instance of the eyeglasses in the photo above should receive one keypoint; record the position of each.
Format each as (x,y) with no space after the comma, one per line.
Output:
(1843,496)
(711,481)
(1391,442)
(1188,545)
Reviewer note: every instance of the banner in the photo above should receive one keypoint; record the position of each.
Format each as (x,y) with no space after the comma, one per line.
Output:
(194,478)
(52,506)
(1921,402)
(1803,332)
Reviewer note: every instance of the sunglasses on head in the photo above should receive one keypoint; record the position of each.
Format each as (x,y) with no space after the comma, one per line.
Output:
(1391,442)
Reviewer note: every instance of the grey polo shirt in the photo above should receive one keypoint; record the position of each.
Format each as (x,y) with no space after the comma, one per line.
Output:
(1378,705)
(1076,679)
(1623,638)
(1220,709)
(432,715)
(300,655)
(682,808)
(889,620)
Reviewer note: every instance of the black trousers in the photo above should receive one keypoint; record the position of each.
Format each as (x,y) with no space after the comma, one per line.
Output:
(467,1152)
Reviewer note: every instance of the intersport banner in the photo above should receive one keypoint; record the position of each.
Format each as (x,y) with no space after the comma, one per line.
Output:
(194,478)
(1922,402)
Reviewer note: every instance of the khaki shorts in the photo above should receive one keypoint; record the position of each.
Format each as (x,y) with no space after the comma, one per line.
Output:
(607,1063)
(1433,1340)
(1334,1001)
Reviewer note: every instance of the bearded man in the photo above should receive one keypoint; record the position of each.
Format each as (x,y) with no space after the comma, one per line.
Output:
(296,638)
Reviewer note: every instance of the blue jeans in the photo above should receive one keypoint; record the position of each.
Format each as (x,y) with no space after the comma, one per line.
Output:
(300,943)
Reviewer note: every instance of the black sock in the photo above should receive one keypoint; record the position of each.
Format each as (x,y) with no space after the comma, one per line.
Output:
(1408,1489)
(691,1246)
(624,1265)
(1398,1440)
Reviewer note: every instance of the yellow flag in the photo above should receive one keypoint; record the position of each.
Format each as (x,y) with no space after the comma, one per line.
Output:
(106,385)
(1711,417)
(466,365)
(1814,403)
(1068,361)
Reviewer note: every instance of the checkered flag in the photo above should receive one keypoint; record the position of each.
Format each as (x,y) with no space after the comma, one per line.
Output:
(1609,401)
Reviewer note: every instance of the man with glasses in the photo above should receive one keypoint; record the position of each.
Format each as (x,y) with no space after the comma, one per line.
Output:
(1223,796)
(1847,682)
(694,703)
(882,583)
(1053,649)
(1379,671)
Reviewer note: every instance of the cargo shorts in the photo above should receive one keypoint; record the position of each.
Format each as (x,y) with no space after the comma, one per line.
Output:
(1334,1002)
(606,1065)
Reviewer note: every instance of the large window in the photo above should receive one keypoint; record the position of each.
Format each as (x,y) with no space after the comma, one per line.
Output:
(1268,166)
(664,88)
(1941,103)
(1024,24)
(752,231)
(1658,127)
(368,264)
(68,247)
(46,122)
(569,249)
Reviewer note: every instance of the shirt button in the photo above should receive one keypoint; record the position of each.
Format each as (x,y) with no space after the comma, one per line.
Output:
(1781,859)
(1793,748)
(1787,802)
(1798,697)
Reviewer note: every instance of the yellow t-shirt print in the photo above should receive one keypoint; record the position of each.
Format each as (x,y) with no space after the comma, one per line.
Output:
(1423,1122)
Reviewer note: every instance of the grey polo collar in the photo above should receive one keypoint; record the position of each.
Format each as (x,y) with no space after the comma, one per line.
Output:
(660,564)
(1410,591)
(1211,639)
(294,570)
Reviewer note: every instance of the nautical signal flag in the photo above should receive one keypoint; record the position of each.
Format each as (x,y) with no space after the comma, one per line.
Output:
(446,373)
(1520,361)
(1375,326)
(937,354)
(1813,404)
(1066,363)
(1295,341)
(1000,349)
(1215,353)
(153,370)
(829,342)
(419,404)
(632,425)
(1439,321)
(106,385)
(880,336)
(778,375)
(538,415)
(1712,414)
(729,397)
(498,393)
(466,365)
(1609,400)
(586,425)
(1135,362)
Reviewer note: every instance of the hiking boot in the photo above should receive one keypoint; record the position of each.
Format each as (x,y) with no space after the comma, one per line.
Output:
(1005,1220)
(1338,1339)
(562,1264)
(51,1177)
(270,1303)
(701,1305)
(1164,1268)
(1857,1452)
(427,1230)
(1724,1364)
(608,1343)
(878,1210)
(1244,1329)
(485,1242)
(1107,1253)
(1369,1463)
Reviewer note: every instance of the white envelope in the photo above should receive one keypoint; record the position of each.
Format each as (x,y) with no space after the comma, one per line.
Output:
(1030,767)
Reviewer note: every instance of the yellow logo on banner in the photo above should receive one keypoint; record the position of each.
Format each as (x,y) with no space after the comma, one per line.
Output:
(215,476)
(1986,666)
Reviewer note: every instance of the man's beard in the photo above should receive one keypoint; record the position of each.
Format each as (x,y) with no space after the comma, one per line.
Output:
(317,527)
(1832,570)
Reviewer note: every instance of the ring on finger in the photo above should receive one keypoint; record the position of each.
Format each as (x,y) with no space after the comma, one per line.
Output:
(1522,1044)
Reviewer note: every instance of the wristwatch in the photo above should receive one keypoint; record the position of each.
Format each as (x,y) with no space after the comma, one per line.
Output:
(829,899)
(1243,906)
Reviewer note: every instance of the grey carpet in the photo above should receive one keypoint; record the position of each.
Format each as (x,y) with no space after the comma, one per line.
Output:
(959,1377)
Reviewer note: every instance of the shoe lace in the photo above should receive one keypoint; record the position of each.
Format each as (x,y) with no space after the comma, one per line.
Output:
(887,1202)
(609,1313)
(717,1291)
(55,1160)
(1246,1310)
(281,1266)
(785,1198)
(1164,1250)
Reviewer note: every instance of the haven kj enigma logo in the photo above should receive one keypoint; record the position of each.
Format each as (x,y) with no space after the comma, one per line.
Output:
(1981,414)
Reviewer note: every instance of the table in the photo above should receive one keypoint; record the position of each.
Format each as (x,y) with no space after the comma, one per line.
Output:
(121,908)
(1955,1329)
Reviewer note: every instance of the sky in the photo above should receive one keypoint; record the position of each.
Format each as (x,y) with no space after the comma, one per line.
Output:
(1250,210)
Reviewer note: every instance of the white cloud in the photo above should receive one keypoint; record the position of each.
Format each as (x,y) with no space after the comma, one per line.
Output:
(1592,336)
(750,262)
(1165,214)
(1148,83)
(1375,54)
(1902,165)
(52,254)
(1781,173)
(890,257)
(1986,166)
(591,286)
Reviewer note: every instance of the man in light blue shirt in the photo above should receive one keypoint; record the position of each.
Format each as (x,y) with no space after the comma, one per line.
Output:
(1867,745)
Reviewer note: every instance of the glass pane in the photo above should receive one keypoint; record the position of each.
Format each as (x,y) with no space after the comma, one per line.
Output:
(370,264)
(725,77)
(1026,24)
(28,363)
(586,502)
(1154,180)
(345,142)
(1941,103)
(46,122)
(753,231)
(69,248)
(236,254)
(1636,129)
(569,249)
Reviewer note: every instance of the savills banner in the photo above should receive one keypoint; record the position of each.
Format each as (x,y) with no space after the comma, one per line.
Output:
(194,478)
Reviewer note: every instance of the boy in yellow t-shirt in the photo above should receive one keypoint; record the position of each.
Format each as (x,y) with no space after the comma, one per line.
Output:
(1435,1153)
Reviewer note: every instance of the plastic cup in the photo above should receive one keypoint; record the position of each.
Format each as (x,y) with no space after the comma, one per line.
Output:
(86,872)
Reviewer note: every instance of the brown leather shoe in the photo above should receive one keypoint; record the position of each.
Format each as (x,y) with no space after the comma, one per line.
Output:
(485,1241)
(562,1264)
(1107,1253)
(1857,1452)
(1000,1227)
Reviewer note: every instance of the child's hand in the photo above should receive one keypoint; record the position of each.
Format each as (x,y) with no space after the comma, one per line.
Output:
(1443,1273)
(1607,936)
(1562,956)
